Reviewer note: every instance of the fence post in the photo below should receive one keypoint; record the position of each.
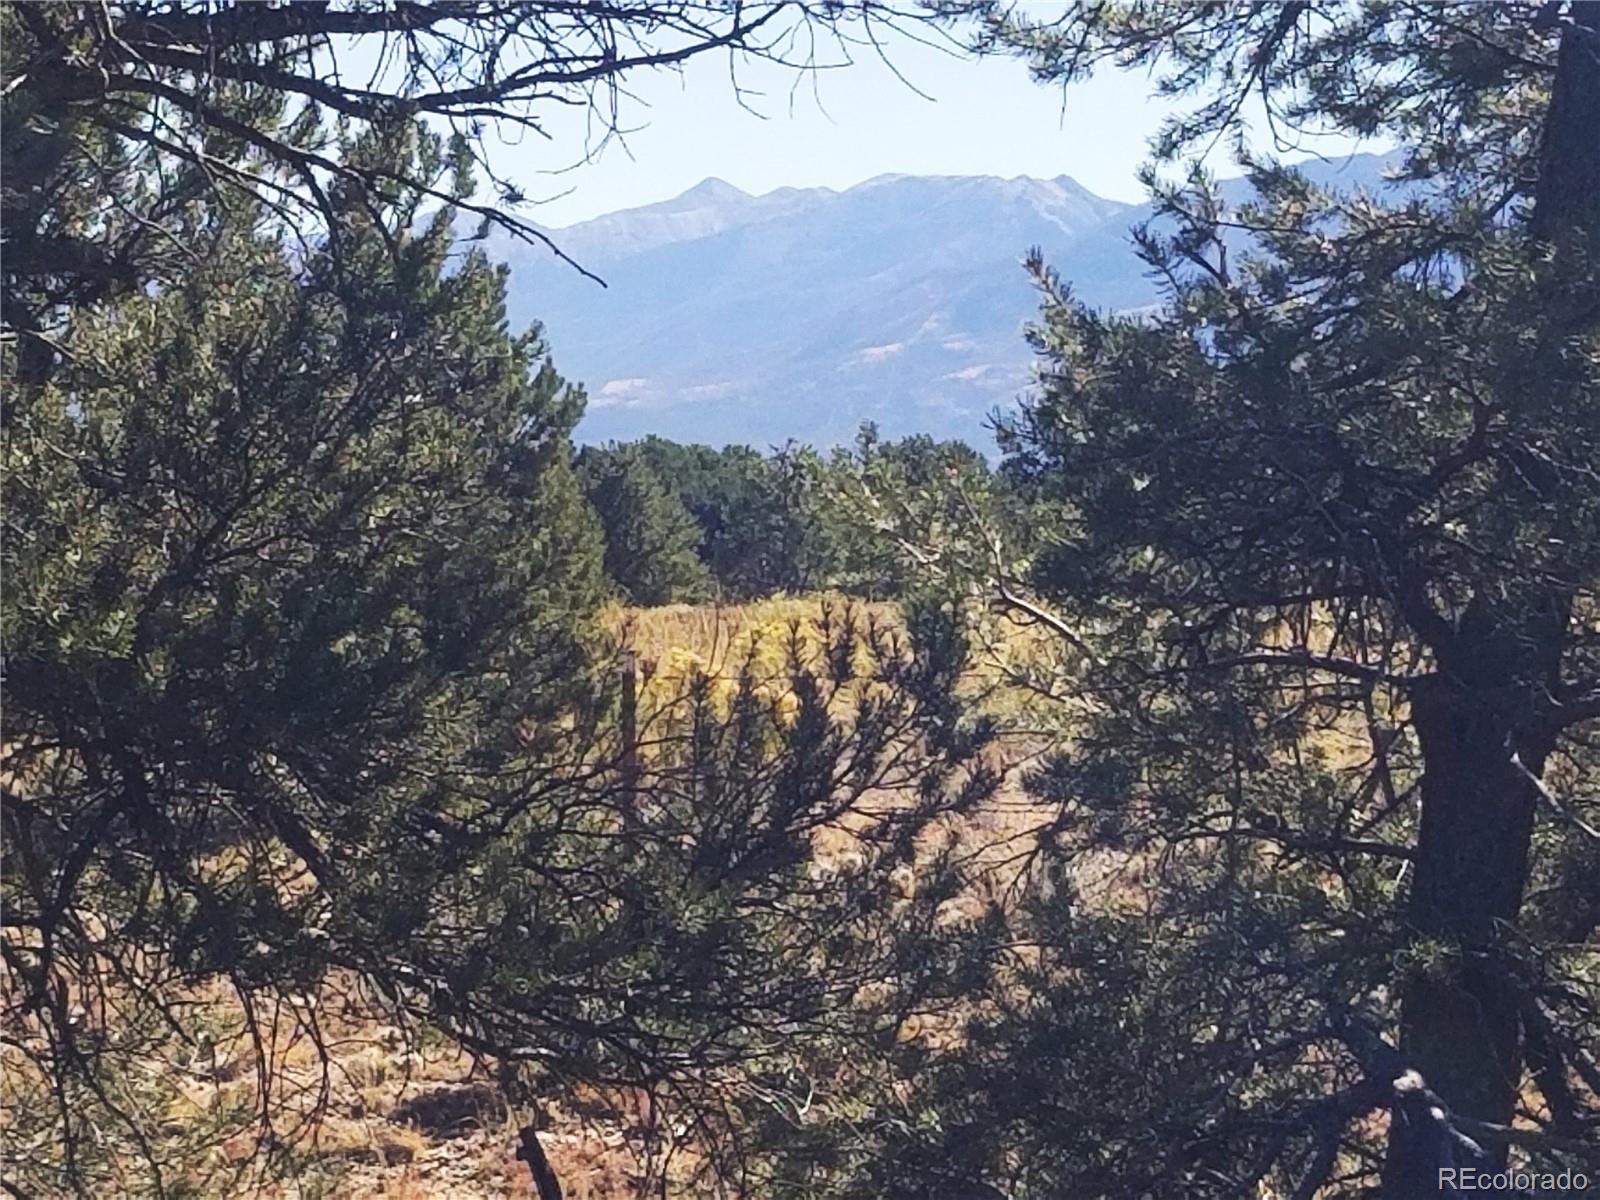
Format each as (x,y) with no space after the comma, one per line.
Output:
(545,1184)
(630,724)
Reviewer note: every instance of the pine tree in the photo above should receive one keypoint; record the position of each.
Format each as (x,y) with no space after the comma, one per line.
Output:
(723,490)
(300,583)
(787,525)
(765,523)
(937,498)
(652,543)
(287,549)
(1315,909)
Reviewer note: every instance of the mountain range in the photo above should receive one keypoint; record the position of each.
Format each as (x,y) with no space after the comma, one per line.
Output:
(803,312)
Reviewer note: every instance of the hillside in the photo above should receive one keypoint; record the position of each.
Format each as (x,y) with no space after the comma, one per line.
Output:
(803,312)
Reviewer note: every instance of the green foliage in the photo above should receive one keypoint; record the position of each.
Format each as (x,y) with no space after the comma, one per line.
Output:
(298,619)
(293,550)
(650,537)
(1325,529)
(749,539)
(302,679)
(919,514)
(792,521)
(697,931)
(763,523)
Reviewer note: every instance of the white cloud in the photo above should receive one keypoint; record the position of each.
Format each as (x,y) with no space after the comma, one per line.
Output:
(878,353)
(618,393)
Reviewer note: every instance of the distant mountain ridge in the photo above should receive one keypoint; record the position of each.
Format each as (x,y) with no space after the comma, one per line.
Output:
(805,311)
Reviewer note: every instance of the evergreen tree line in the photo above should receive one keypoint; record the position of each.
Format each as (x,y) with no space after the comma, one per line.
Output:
(691,523)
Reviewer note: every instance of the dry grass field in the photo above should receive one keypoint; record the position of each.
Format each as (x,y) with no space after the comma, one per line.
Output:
(1007,675)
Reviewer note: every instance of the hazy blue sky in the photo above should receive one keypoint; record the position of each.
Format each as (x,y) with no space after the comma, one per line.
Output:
(839,127)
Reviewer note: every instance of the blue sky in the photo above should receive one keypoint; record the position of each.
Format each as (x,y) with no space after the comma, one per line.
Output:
(841,126)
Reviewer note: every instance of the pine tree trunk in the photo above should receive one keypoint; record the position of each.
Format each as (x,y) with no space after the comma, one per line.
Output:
(1460,1027)
(1483,751)
(1568,194)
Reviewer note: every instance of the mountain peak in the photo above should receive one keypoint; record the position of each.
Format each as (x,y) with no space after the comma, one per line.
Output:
(1068,184)
(714,189)
(801,312)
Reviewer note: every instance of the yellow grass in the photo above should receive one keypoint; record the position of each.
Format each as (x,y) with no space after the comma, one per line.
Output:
(1011,664)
